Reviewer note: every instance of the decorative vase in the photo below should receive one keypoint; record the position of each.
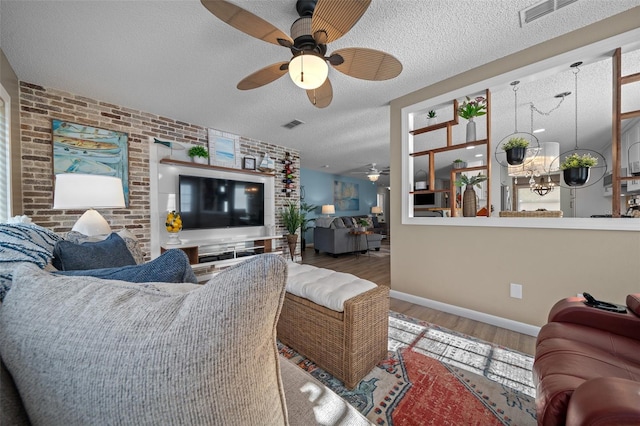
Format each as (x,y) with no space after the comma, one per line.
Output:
(292,241)
(173,224)
(471,130)
(200,160)
(459,164)
(469,206)
(432,121)
(576,176)
(515,156)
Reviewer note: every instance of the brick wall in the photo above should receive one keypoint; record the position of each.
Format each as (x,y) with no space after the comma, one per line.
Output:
(39,105)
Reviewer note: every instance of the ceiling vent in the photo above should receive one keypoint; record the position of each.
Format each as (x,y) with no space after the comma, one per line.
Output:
(541,9)
(292,124)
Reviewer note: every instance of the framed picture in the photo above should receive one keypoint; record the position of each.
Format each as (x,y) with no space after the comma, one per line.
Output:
(90,150)
(249,163)
(346,195)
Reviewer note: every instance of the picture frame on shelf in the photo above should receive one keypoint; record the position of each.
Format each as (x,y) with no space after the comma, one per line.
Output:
(249,163)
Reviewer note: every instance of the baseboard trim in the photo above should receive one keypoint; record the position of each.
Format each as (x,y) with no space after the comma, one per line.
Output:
(519,327)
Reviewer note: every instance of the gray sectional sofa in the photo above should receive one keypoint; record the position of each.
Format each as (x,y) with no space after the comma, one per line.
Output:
(334,235)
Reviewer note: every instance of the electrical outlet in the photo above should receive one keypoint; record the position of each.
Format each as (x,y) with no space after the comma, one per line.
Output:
(516,291)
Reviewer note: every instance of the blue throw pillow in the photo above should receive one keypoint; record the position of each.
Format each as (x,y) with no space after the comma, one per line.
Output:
(172,266)
(109,253)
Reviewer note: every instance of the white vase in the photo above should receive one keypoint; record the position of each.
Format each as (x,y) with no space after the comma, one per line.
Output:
(200,160)
(471,130)
(432,121)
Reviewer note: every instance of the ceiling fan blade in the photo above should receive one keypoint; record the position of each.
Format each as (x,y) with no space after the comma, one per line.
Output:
(322,96)
(265,76)
(246,21)
(335,18)
(368,64)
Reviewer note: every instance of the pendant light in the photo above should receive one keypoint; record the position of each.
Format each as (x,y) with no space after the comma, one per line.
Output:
(576,178)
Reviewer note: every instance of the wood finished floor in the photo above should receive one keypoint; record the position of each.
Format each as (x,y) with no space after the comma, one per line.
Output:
(377,269)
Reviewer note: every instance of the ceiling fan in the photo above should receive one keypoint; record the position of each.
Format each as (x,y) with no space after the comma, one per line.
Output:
(373,173)
(320,23)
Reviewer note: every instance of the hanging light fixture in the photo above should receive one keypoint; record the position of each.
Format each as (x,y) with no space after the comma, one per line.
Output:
(308,70)
(373,176)
(542,188)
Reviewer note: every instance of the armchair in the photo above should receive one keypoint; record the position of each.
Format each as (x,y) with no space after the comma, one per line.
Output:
(587,365)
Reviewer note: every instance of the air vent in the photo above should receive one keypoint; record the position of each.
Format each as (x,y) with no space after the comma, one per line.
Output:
(292,124)
(541,9)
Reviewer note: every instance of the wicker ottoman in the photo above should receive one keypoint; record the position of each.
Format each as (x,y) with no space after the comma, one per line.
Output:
(346,344)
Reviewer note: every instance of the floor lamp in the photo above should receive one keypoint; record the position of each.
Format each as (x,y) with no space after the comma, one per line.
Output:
(75,191)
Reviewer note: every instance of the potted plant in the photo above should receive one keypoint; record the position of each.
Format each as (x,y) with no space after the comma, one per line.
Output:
(363,225)
(432,118)
(198,154)
(575,168)
(459,164)
(292,220)
(468,110)
(304,225)
(469,203)
(516,150)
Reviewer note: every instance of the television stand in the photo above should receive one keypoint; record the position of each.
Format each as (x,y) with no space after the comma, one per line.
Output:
(223,252)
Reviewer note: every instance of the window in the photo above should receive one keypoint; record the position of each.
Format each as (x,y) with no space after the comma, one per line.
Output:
(5,157)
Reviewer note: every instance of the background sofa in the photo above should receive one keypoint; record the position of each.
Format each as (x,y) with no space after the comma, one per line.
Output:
(333,235)
(587,365)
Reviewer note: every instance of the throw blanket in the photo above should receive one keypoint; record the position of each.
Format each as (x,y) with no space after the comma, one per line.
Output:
(325,287)
(23,243)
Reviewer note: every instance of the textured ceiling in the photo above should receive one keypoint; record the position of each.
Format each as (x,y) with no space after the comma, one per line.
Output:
(175,59)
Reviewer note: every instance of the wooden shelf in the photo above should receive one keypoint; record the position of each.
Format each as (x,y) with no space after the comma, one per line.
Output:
(428,191)
(449,148)
(171,162)
(438,126)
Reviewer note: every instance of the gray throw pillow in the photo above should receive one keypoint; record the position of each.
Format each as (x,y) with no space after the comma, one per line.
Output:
(109,253)
(172,266)
(106,352)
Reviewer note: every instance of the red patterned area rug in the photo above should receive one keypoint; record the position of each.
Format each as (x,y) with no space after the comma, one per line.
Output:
(435,376)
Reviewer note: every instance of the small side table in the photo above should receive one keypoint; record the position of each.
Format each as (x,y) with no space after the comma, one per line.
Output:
(356,235)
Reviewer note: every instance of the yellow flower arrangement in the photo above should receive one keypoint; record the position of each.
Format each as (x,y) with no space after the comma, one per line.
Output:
(173,222)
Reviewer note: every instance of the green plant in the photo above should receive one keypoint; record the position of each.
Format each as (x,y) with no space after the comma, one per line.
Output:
(431,114)
(304,210)
(198,151)
(473,180)
(363,222)
(457,160)
(291,217)
(515,143)
(473,108)
(575,161)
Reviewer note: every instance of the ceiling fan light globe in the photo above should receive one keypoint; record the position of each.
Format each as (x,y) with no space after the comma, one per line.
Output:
(373,177)
(308,71)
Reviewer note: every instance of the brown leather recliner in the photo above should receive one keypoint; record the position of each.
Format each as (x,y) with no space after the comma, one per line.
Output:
(587,365)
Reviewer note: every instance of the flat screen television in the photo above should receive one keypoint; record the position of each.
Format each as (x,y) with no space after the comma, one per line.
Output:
(207,203)
(424,199)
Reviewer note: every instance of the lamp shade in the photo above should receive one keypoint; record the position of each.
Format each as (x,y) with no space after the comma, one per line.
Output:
(308,71)
(328,209)
(79,191)
(373,176)
(376,210)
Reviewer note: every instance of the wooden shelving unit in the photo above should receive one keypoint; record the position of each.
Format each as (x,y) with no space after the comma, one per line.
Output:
(618,81)
(451,146)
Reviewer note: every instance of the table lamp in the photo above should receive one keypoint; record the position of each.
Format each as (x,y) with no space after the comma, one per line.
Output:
(74,191)
(328,209)
(376,210)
